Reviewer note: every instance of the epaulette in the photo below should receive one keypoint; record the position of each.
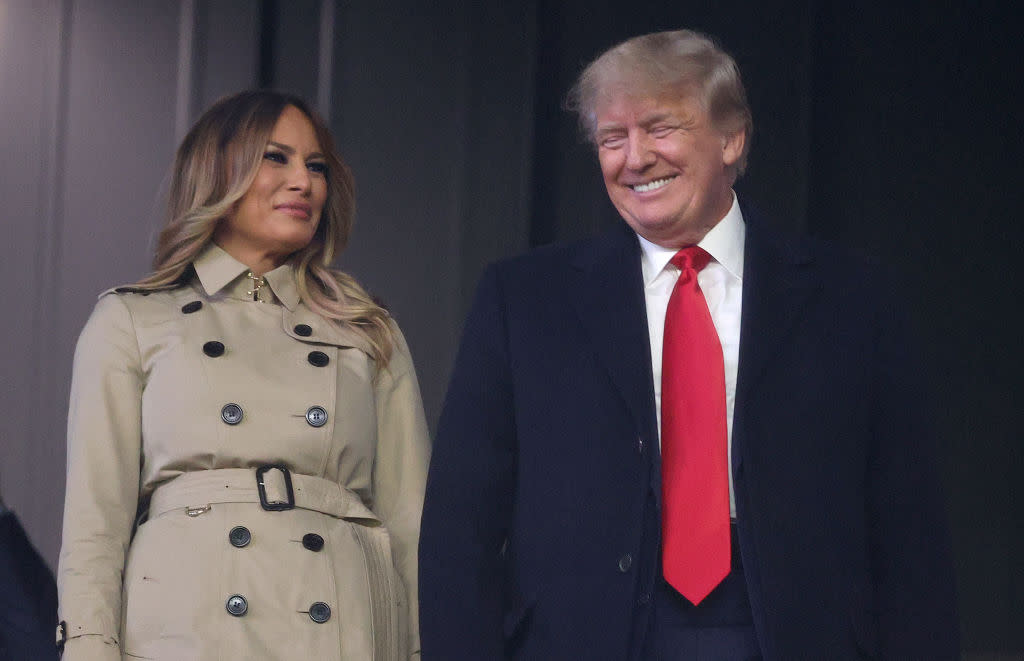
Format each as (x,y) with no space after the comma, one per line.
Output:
(144,291)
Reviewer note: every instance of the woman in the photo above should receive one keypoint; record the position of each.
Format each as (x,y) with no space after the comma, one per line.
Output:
(246,442)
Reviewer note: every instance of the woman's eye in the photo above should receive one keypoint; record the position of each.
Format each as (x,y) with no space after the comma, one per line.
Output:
(317,167)
(276,157)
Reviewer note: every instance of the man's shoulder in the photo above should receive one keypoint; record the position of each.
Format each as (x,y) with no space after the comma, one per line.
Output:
(578,253)
(768,240)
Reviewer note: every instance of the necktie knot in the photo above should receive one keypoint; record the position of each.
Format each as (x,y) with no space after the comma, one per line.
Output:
(691,257)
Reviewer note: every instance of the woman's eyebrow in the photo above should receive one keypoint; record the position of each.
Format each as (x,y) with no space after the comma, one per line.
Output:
(291,150)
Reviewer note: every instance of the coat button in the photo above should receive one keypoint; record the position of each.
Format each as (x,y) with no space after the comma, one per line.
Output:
(316,416)
(313,541)
(239,536)
(640,444)
(303,330)
(231,414)
(318,358)
(625,562)
(213,348)
(194,306)
(237,605)
(319,612)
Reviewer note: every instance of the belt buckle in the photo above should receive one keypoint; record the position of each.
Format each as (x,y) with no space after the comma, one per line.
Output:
(276,506)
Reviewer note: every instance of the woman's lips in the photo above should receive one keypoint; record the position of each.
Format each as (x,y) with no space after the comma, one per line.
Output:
(296,209)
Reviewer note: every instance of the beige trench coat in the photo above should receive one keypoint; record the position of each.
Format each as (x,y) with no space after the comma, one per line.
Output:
(173,387)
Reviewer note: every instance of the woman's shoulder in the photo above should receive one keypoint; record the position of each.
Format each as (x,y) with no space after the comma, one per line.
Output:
(117,304)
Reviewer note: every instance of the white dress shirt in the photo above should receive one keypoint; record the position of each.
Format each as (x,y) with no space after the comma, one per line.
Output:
(722,283)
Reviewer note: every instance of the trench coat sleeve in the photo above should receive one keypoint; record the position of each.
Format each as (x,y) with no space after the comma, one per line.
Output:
(470,490)
(104,450)
(400,470)
(914,597)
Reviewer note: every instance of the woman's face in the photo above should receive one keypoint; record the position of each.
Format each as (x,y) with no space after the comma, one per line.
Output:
(281,210)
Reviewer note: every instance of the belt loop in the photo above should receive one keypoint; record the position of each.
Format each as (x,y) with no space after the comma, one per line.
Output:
(277,505)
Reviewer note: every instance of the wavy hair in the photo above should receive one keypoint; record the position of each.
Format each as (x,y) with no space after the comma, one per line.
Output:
(216,165)
(678,61)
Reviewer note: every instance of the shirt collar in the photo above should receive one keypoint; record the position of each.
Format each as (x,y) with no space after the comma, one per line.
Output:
(219,272)
(724,242)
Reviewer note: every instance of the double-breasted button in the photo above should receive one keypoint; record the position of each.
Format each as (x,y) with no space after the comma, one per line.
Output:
(625,562)
(239,536)
(237,605)
(316,416)
(231,413)
(644,599)
(213,348)
(313,541)
(304,330)
(319,612)
(318,358)
(194,306)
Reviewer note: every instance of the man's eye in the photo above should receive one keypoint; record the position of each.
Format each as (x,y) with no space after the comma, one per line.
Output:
(661,131)
(317,167)
(276,157)
(612,141)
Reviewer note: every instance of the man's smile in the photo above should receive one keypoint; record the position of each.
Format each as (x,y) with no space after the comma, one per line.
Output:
(651,185)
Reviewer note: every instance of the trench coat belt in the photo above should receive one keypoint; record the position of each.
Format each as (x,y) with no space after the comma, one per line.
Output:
(198,489)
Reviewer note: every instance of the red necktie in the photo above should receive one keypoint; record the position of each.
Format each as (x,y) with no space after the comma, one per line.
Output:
(694,464)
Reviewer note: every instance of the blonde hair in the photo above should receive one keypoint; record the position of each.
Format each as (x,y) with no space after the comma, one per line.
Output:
(215,166)
(682,62)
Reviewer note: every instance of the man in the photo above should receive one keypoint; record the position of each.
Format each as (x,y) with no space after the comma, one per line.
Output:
(691,438)
(28,596)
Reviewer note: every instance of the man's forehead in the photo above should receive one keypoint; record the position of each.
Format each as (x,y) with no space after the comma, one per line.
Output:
(642,108)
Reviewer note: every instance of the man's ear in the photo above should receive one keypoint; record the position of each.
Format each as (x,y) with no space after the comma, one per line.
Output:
(732,147)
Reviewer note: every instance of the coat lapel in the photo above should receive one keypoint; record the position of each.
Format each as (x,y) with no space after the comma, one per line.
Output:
(778,283)
(608,296)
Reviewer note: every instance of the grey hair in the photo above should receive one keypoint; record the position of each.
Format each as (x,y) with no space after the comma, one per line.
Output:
(681,62)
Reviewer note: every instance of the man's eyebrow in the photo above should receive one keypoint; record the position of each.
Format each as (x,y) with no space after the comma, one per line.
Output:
(608,128)
(291,150)
(654,118)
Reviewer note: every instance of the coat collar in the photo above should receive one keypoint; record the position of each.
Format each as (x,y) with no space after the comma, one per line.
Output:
(779,280)
(219,272)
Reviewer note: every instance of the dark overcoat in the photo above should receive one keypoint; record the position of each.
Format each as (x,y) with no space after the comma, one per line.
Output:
(540,535)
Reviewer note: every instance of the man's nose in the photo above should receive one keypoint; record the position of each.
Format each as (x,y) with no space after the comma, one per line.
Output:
(639,154)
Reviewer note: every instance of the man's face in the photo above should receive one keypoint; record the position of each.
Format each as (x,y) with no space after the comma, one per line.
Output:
(667,170)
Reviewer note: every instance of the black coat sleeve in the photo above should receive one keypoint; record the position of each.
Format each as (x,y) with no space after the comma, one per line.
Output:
(467,511)
(909,542)
(28,597)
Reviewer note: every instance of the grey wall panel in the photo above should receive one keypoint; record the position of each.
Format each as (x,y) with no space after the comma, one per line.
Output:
(31,454)
(296,49)
(398,113)
(227,50)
